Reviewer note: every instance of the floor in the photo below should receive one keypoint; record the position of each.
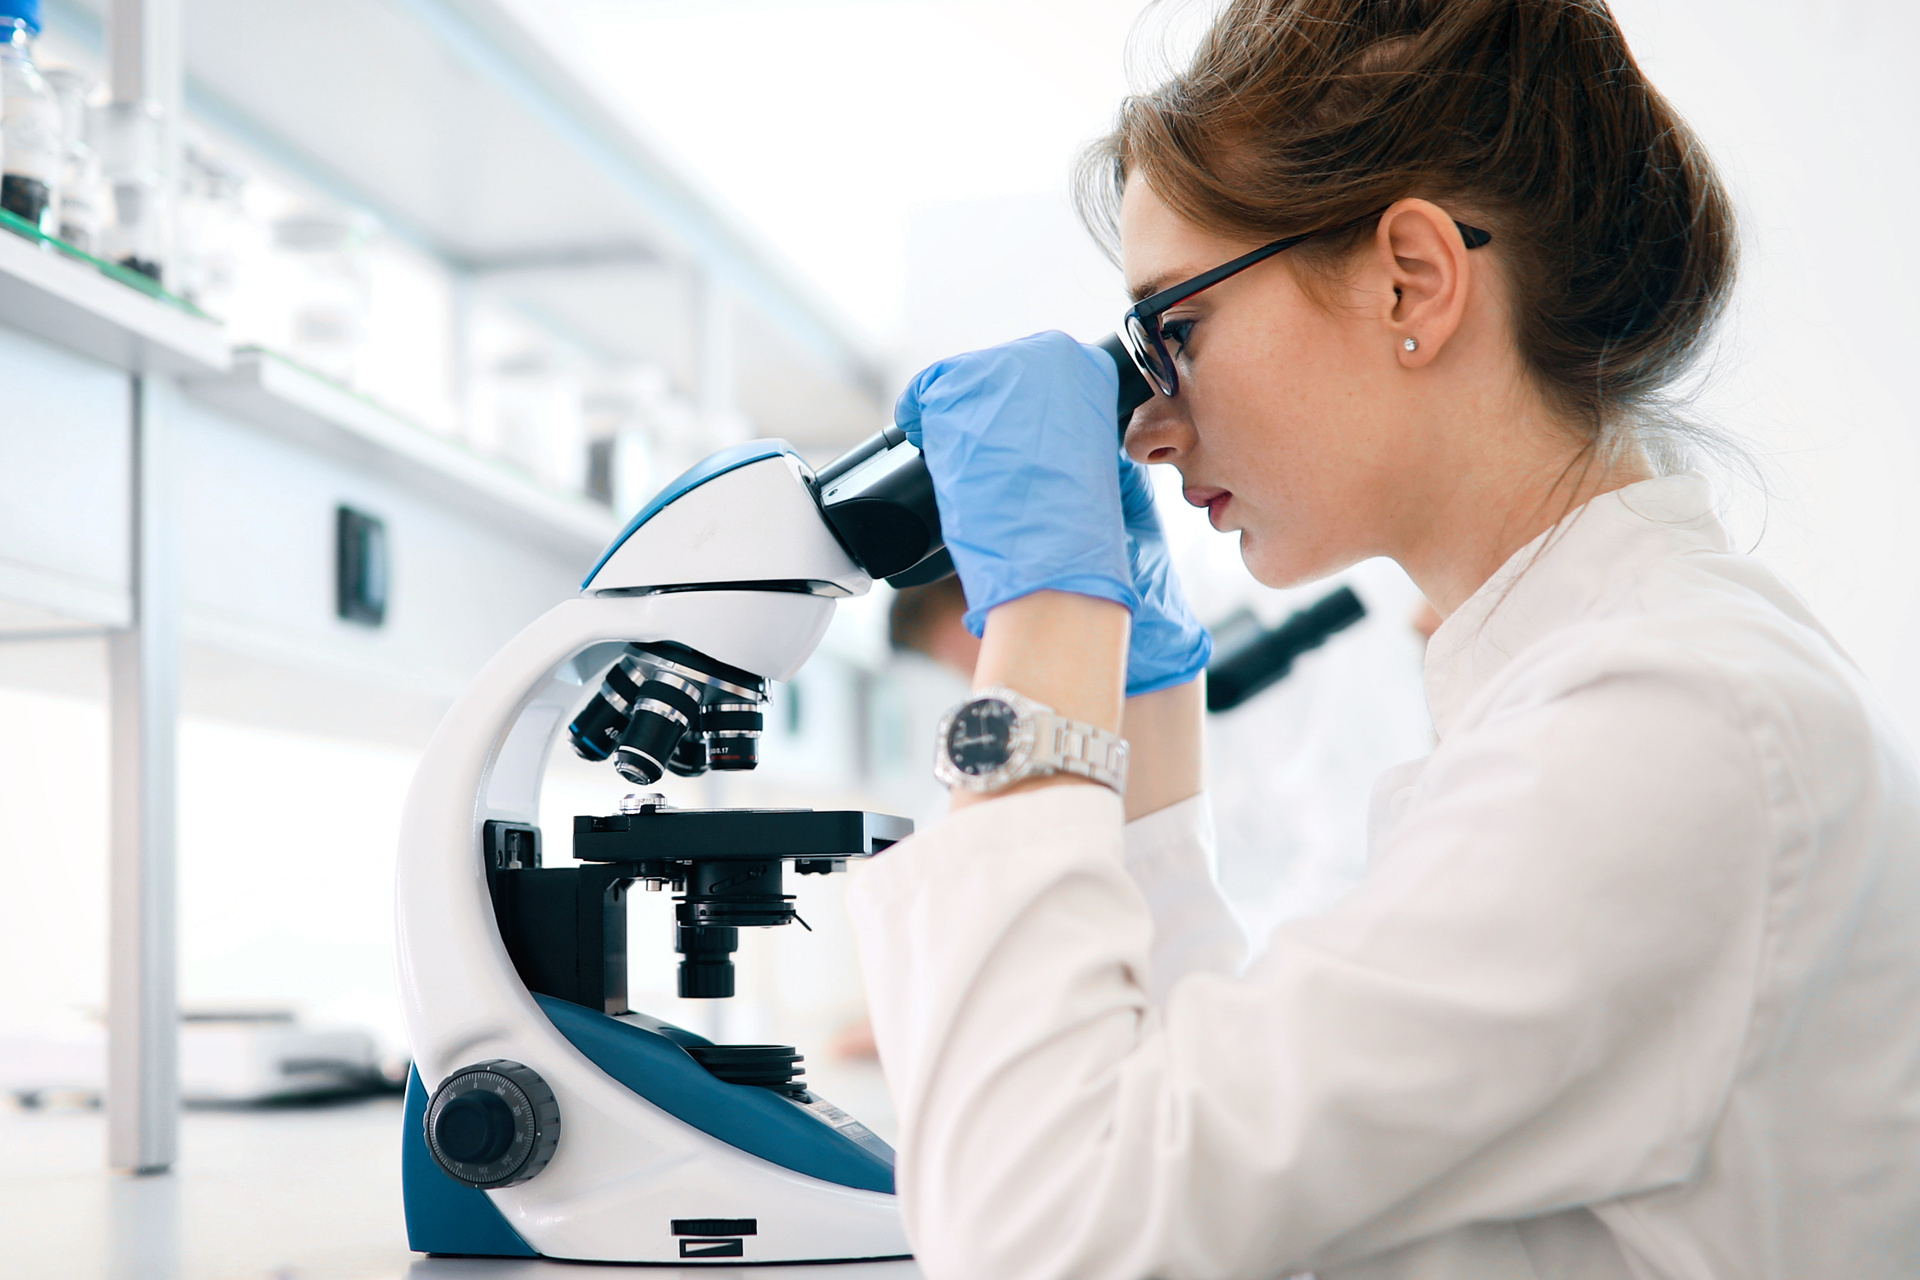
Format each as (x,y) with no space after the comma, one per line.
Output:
(282,1194)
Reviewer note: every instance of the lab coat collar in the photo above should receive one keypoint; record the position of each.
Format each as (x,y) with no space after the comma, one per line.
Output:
(1570,572)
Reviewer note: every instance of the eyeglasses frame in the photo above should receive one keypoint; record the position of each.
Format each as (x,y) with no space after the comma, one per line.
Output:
(1141,323)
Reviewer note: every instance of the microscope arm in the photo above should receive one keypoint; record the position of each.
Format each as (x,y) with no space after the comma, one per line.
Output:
(485,762)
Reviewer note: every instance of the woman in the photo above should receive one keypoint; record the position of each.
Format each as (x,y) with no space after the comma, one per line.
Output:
(1632,988)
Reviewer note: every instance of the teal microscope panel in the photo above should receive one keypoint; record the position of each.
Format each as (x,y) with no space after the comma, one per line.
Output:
(444,1216)
(756,1120)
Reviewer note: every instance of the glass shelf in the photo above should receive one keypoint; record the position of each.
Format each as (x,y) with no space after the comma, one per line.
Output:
(136,280)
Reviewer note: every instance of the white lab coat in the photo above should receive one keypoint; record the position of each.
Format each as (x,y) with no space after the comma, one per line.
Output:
(1631,989)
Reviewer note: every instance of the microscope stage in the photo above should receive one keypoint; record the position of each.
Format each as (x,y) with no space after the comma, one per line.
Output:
(716,835)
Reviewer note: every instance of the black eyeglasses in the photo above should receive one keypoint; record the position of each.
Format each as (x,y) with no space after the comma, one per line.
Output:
(1140,328)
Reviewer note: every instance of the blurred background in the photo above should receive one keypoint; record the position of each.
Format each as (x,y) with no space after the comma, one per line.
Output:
(463,282)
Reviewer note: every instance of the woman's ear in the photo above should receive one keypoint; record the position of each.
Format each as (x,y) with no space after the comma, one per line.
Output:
(1425,258)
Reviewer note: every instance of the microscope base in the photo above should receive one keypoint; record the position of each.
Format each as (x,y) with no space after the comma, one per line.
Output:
(705,1169)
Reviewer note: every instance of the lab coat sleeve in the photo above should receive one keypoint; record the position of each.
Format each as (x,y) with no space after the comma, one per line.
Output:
(1536,1000)
(1170,855)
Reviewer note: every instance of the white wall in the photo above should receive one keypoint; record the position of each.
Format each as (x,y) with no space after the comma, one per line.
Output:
(1809,106)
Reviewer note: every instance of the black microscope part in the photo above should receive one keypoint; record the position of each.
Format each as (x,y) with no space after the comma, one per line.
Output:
(1135,390)
(690,758)
(596,731)
(716,1226)
(648,717)
(767,1066)
(476,1127)
(1250,665)
(493,1124)
(663,711)
(878,499)
(565,928)
(885,515)
(708,835)
(701,665)
(706,961)
(735,729)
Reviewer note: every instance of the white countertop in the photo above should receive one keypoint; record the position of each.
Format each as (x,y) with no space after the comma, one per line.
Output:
(506,1269)
(258,1194)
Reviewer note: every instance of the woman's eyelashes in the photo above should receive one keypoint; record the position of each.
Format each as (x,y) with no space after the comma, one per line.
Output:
(1177,332)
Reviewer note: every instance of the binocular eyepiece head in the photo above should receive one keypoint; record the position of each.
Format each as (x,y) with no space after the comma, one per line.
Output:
(664,707)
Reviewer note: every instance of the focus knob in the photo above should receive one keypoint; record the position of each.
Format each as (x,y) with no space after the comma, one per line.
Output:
(493,1124)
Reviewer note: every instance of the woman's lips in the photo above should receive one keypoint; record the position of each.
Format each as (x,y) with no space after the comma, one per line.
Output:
(1214,500)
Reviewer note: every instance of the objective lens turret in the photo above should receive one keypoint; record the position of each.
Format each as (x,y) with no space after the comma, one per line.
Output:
(666,707)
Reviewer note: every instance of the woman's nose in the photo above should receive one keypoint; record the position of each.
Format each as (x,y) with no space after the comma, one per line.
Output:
(1159,431)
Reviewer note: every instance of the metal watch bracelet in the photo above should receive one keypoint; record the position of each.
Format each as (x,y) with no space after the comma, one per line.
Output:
(1082,750)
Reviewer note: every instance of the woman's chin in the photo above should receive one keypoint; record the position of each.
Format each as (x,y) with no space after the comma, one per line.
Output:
(1268,569)
(1283,566)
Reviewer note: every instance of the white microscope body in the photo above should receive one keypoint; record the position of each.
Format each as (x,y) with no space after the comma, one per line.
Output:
(636,1152)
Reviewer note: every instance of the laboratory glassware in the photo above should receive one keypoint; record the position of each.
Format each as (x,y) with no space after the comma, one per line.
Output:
(30,163)
(131,142)
(83,190)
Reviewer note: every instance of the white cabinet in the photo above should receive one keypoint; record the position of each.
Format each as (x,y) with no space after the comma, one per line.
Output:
(262,637)
(64,467)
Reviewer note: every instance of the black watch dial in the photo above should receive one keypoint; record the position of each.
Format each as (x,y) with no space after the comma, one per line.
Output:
(980,739)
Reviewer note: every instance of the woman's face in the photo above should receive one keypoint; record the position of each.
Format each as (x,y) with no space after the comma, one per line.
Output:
(1292,423)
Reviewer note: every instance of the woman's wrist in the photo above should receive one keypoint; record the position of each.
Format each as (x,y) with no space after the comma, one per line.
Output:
(1166,747)
(1065,650)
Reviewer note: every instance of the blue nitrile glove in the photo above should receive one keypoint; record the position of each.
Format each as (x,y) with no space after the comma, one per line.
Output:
(1169,645)
(1019,440)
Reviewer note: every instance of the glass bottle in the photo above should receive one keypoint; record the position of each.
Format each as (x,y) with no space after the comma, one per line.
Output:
(327,249)
(137,232)
(30,121)
(83,192)
(209,225)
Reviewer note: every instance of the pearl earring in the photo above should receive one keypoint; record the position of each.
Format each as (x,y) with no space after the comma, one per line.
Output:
(1411,344)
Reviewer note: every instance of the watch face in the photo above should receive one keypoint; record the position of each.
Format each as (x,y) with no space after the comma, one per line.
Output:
(980,738)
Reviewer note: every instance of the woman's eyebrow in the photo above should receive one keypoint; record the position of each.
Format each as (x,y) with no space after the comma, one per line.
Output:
(1155,283)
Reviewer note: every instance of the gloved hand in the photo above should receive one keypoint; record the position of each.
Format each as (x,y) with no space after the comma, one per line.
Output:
(1169,645)
(1019,440)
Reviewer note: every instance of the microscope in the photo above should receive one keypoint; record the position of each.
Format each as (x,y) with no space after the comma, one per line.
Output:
(544,1118)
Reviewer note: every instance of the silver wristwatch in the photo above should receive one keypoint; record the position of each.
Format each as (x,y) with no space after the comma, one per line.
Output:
(998,737)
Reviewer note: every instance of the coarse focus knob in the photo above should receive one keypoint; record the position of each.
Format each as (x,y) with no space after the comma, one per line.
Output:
(493,1124)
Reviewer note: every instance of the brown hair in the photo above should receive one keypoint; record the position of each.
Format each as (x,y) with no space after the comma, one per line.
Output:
(1526,117)
(917,611)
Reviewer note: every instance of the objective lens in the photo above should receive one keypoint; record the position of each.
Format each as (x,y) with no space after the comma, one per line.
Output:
(597,729)
(664,709)
(689,759)
(734,729)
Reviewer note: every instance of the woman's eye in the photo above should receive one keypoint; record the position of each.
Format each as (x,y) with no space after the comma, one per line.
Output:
(1176,333)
